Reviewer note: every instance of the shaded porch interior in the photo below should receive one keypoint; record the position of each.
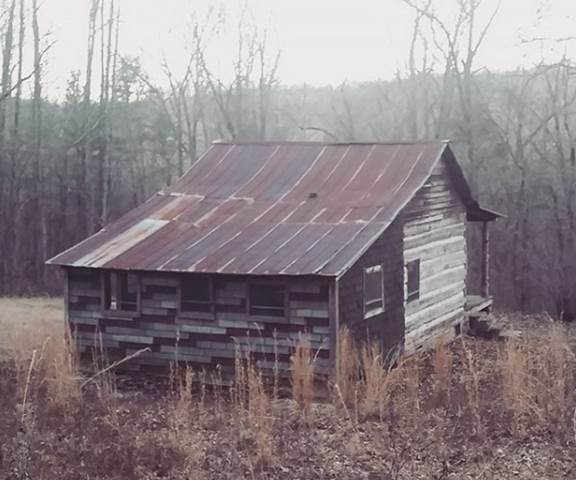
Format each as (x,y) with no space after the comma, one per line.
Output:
(481,301)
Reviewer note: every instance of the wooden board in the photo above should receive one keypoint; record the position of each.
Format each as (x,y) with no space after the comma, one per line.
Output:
(434,233)
(202,339)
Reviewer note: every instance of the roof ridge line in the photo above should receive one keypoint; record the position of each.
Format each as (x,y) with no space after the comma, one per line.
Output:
(314,142)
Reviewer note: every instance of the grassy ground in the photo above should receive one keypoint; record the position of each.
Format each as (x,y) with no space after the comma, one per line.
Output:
(26,322)
(475,410)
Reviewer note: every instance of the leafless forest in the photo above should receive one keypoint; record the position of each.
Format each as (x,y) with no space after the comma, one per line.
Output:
(68,167)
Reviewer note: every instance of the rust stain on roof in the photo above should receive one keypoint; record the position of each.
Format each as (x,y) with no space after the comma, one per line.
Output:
(292,208)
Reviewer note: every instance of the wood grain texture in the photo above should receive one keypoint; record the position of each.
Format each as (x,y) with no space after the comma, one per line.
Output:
(434,231)
(201,339)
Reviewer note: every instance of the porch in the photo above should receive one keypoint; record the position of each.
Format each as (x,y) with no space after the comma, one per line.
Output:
(477,304)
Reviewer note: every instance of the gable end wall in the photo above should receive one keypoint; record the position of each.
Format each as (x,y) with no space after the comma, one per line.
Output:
(434,227)
(430,228)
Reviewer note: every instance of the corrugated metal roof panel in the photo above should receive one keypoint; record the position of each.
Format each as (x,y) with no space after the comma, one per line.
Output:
(291,208)
(120,243)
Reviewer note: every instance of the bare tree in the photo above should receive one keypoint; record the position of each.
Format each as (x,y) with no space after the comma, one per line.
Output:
(459,44)
(244,103)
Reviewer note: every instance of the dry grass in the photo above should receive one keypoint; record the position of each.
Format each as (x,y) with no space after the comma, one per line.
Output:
(25,323)
(538,380)
(407,422)
(59,366)
(377,380)
(253,414)
(42,357)
(412,381)
(516,383)
(472,374)
(442,365)
(260,418)
(184,401)
(373,378)
(302,375)
(346,371)
(554,371)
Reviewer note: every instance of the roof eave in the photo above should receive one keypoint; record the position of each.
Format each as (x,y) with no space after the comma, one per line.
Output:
(476,213)
(359,254)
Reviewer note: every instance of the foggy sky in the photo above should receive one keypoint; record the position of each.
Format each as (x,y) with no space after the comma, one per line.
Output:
(322,41)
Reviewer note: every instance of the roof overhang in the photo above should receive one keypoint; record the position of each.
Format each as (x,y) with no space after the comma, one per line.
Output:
(475,213)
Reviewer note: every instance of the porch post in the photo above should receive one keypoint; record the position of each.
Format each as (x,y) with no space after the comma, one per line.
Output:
(334,316)
(68,333)
(485,282)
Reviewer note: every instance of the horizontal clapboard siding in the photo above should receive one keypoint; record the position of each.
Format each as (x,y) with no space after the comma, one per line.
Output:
(434,233)
(204,339)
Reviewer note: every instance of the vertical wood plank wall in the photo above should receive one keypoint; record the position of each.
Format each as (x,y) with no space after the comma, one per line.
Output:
(202,340)
(388,326)
(434,232)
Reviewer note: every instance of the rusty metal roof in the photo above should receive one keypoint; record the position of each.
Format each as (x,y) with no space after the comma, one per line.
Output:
(292,208)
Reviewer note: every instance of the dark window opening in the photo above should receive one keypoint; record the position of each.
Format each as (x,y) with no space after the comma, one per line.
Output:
(413,280)
(121,291)
(268,300)
(373,291)
(195,294)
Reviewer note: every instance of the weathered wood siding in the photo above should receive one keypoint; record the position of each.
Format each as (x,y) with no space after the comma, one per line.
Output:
(434,232)
(387,327)
(202,340)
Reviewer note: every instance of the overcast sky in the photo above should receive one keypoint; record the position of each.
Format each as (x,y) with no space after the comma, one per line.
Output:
(321,41)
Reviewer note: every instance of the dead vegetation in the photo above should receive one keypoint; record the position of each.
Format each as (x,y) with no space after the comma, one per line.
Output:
(474,409)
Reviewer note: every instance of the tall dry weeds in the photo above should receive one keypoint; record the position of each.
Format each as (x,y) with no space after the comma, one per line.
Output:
(239,388)
(46,376)
(184,393)
(442,371)
(555,370)
(302,375)
(411,375)
(471,376)
(59,371)
(181,407)
(346,368)
(537,378)
(374,380)
(517,384)
(252,406)
(260,415)
(104,378)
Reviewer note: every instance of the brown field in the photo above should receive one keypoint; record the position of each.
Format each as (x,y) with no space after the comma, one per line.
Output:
(33,318)
(477,409)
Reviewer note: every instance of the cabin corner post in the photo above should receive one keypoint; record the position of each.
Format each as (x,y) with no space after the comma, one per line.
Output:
(67,332)
(334,315)
(485,281)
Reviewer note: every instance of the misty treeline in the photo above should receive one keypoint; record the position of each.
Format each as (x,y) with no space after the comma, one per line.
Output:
(70,166)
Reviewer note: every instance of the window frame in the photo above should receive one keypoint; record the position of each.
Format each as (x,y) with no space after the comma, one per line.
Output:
(263,283)
(414,295)
(194,313)
(105,277)
(372,312)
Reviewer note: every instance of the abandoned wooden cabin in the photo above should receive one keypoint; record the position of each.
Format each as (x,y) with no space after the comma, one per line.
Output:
(260,241)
